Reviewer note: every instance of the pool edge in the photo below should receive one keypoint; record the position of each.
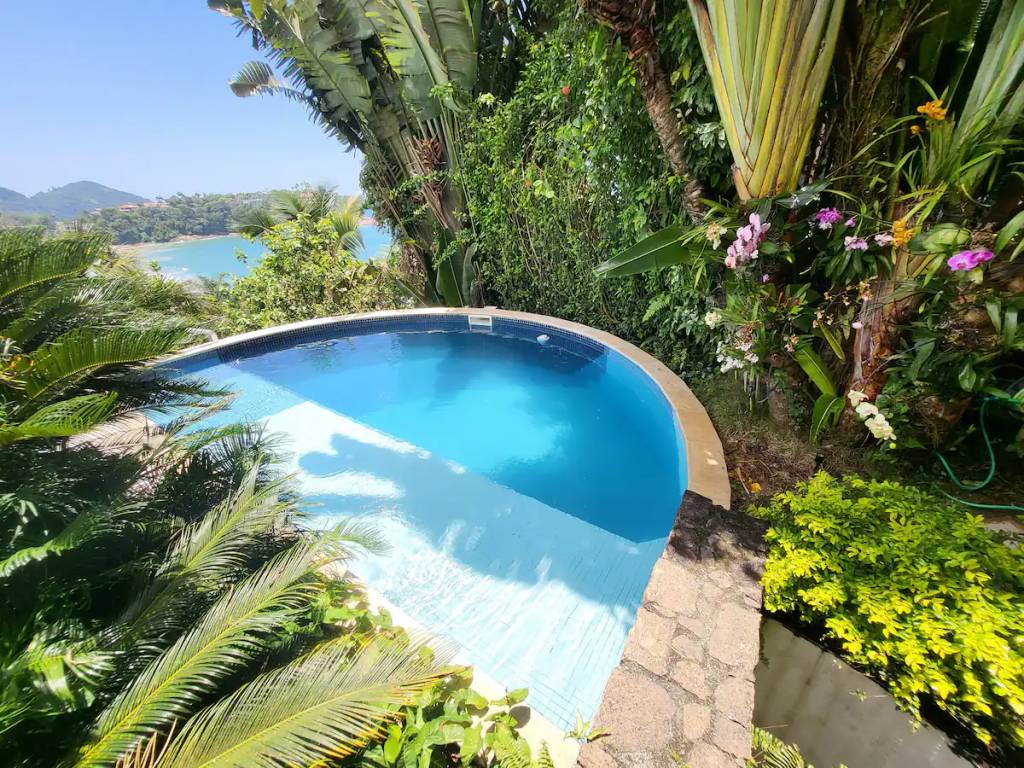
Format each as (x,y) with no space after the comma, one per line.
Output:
(707,474)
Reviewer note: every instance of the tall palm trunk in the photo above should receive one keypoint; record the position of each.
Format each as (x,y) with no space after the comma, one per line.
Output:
(633,23)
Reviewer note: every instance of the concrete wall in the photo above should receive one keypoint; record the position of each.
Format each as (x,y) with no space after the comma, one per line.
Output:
(834,714)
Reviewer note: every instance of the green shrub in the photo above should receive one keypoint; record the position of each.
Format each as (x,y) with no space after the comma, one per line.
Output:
(307,272)
(568,172)
(916,591)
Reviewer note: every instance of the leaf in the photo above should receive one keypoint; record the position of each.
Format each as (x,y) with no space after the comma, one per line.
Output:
(516,696)
(920,357)
(61,419)
(827,409)
(815,368)
(662,249)
(833,342)
(328,703)
(967,376)
(472,743)
(393,744)
(237,628)
(1009,231)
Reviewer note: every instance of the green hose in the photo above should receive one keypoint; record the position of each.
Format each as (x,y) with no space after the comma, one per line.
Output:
(988,479)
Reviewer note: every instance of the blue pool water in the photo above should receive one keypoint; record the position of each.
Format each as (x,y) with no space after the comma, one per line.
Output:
(214,256)
(526,490)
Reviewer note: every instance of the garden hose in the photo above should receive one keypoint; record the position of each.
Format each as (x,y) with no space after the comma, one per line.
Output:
(970,488)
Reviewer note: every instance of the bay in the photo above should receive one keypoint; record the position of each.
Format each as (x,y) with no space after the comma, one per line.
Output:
(213,256)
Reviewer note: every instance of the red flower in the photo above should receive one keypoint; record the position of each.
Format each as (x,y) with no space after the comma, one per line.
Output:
(565,90)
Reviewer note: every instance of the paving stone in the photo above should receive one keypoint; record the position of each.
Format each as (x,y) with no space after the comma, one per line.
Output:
(691,677)
(637,712)
(735,639)
(734,698)
(685,690)
(672,588)
(650,641)
(731,737)
(699,627)
(592,756)
(706,756)
(696,720)
(688,648)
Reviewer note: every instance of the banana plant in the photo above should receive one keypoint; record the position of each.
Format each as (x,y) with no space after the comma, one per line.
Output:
(387,77)
(768,63)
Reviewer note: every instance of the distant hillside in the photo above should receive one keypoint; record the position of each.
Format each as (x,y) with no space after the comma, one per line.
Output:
(66,202)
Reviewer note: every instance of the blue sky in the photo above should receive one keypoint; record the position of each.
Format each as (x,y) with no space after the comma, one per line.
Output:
(133,94)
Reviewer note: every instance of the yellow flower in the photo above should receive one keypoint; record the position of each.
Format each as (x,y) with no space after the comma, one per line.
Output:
(755,487)
(915,129)
(933,110)
(901,233)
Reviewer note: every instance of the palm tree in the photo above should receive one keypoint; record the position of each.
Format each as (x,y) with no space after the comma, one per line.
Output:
(316,204)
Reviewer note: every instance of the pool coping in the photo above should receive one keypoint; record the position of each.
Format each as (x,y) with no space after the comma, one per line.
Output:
(705,459)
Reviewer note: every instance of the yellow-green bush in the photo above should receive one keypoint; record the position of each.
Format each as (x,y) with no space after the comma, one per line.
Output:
(914,589)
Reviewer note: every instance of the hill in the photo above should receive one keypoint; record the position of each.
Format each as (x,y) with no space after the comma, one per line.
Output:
(66,202)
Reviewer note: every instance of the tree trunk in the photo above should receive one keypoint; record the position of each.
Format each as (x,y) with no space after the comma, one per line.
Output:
(633,23)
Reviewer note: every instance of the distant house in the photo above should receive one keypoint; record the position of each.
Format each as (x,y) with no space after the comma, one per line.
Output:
(125,207)
(154,204)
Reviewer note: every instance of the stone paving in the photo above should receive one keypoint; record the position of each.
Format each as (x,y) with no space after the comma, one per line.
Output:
(683,694)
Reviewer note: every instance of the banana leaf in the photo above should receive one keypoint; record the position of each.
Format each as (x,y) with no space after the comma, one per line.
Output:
(665,248)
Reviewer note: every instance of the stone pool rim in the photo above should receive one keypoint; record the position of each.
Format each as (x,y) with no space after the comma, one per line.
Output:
(705,459)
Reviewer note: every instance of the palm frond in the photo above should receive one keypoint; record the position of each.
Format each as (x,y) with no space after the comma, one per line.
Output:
(256,78)
(327,704)
(83,351)
(28,261)
(234,631)
(61,419)
(89,524)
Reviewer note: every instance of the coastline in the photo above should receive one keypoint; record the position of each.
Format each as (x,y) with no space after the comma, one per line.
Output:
(138,250)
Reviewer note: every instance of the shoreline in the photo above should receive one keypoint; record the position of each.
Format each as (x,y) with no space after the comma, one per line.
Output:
(140,249)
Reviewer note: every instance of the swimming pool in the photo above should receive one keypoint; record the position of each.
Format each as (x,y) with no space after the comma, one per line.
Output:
(525,476)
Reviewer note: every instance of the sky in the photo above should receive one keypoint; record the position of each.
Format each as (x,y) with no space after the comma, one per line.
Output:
(133,94)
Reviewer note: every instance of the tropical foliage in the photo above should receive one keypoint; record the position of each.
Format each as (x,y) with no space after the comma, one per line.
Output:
(844,291)
(310,268)
(911,589)
(390,78)
(176,216)
(163,604)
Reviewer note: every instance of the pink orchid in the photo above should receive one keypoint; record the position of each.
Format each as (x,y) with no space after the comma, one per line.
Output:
(855,243)
(965,261)
(827,217)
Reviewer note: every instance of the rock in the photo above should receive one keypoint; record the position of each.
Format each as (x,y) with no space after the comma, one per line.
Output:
(650,642)
(707,756)
(735,639)
(696,719)
(688,648)
(672,588)
(592,756)
(690,675)
(734,698)
(732,737)
(637,712)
